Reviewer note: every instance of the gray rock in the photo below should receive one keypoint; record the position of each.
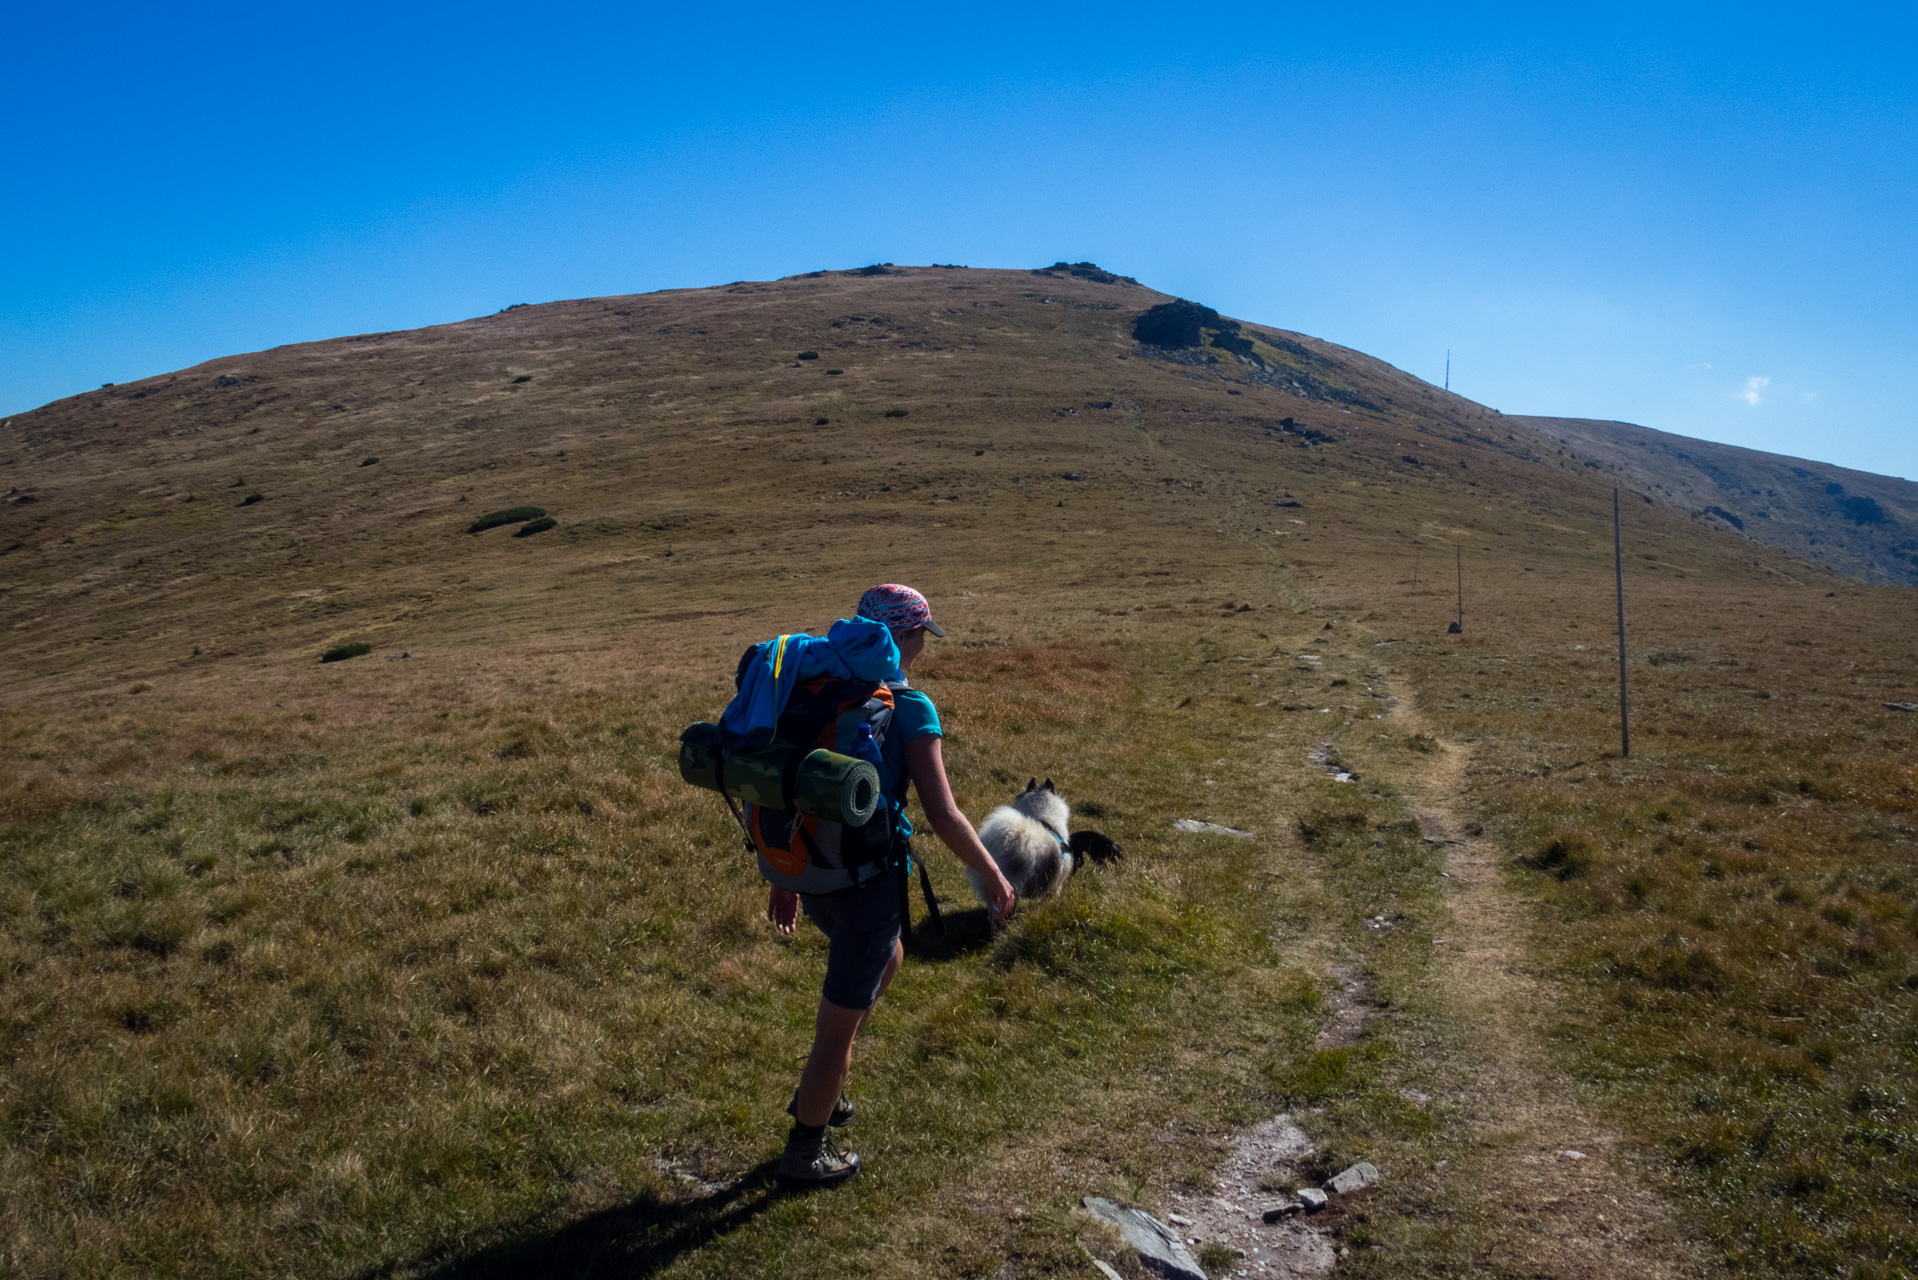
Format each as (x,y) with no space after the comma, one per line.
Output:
(1312,1198)
(1901,706)
(1282,1210)
(1208,828)
(1157,1245)
(1357,1178)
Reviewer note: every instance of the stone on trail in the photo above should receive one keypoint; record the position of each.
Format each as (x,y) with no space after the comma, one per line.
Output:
(1312,1198)
(1157,1245)
(1105,1269)
(1357,1178)
(1208,828)
(1279,1211)
(1901,706)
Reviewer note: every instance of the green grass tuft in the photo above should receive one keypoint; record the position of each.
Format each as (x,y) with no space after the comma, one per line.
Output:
(511,515)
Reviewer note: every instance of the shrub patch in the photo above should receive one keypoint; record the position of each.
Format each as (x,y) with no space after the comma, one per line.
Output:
(511,515)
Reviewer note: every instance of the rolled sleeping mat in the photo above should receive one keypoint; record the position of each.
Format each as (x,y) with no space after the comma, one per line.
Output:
(828,786)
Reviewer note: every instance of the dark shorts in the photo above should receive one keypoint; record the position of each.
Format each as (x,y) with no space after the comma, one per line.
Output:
(863,925)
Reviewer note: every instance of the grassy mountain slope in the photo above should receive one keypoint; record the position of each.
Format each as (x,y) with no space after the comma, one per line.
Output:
(431,965)
(1863,525)
(643,425)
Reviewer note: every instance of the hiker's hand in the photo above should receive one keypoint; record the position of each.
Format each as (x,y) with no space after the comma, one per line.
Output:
(1001,901)
(783,909)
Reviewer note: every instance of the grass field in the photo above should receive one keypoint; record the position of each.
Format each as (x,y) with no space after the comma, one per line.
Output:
(431,965)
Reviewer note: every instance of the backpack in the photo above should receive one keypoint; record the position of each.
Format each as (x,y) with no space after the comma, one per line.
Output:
(814,855)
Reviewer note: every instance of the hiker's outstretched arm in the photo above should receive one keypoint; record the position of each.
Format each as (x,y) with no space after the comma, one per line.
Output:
(926,764)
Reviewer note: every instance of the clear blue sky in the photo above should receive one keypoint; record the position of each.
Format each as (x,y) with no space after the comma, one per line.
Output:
(1702,221)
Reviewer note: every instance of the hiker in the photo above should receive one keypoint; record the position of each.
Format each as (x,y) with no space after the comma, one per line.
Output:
(863,922)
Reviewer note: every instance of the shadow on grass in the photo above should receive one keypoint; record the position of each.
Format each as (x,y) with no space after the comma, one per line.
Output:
(966,932)
(640,1238)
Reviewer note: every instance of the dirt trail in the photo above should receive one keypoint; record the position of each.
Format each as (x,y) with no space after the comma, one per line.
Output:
(1553,1213)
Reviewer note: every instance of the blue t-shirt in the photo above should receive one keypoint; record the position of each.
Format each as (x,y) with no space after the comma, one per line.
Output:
(913,716)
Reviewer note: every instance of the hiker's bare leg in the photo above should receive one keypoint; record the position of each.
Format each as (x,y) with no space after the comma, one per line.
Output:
(831,1058)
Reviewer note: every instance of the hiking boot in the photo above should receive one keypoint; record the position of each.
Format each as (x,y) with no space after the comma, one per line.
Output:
(815,1161)
(841,1116)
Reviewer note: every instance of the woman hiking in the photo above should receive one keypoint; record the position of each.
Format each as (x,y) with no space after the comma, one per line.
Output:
(862,923)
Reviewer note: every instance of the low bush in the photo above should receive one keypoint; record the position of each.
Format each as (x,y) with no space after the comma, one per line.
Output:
(252,498)
(1324,825)
(532,527)
(511,515)
(341,652)
(1564,857)
(367,462)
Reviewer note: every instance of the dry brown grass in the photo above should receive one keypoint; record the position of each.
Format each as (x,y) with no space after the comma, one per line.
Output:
(389,966)
(1730,907)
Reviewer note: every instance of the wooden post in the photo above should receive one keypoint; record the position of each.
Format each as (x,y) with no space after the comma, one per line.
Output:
(1618,567)
(1461,589)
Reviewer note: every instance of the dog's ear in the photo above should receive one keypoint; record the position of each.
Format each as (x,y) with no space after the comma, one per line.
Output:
(1048,786)
(1032,784)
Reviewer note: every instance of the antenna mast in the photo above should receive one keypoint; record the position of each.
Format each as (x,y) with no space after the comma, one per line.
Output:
(1448,368)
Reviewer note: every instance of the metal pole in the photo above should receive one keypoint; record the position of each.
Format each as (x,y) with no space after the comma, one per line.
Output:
(1618,566)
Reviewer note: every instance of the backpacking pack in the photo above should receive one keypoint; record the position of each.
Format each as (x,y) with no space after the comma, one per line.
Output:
(816,855)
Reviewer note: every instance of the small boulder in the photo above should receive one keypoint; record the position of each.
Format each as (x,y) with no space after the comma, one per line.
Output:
(1209,828)
(1157,1245)
(1313,1199)
(1357,1178)
(1280,1212)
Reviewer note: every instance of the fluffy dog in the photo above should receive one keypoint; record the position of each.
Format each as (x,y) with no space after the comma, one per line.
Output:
(1028,840)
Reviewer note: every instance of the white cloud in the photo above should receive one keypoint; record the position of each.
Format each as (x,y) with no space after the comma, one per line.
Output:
(1808,396)
(1754,392)
(1698,366)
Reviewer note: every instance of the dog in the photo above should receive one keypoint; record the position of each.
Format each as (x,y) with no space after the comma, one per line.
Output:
(1028,840)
